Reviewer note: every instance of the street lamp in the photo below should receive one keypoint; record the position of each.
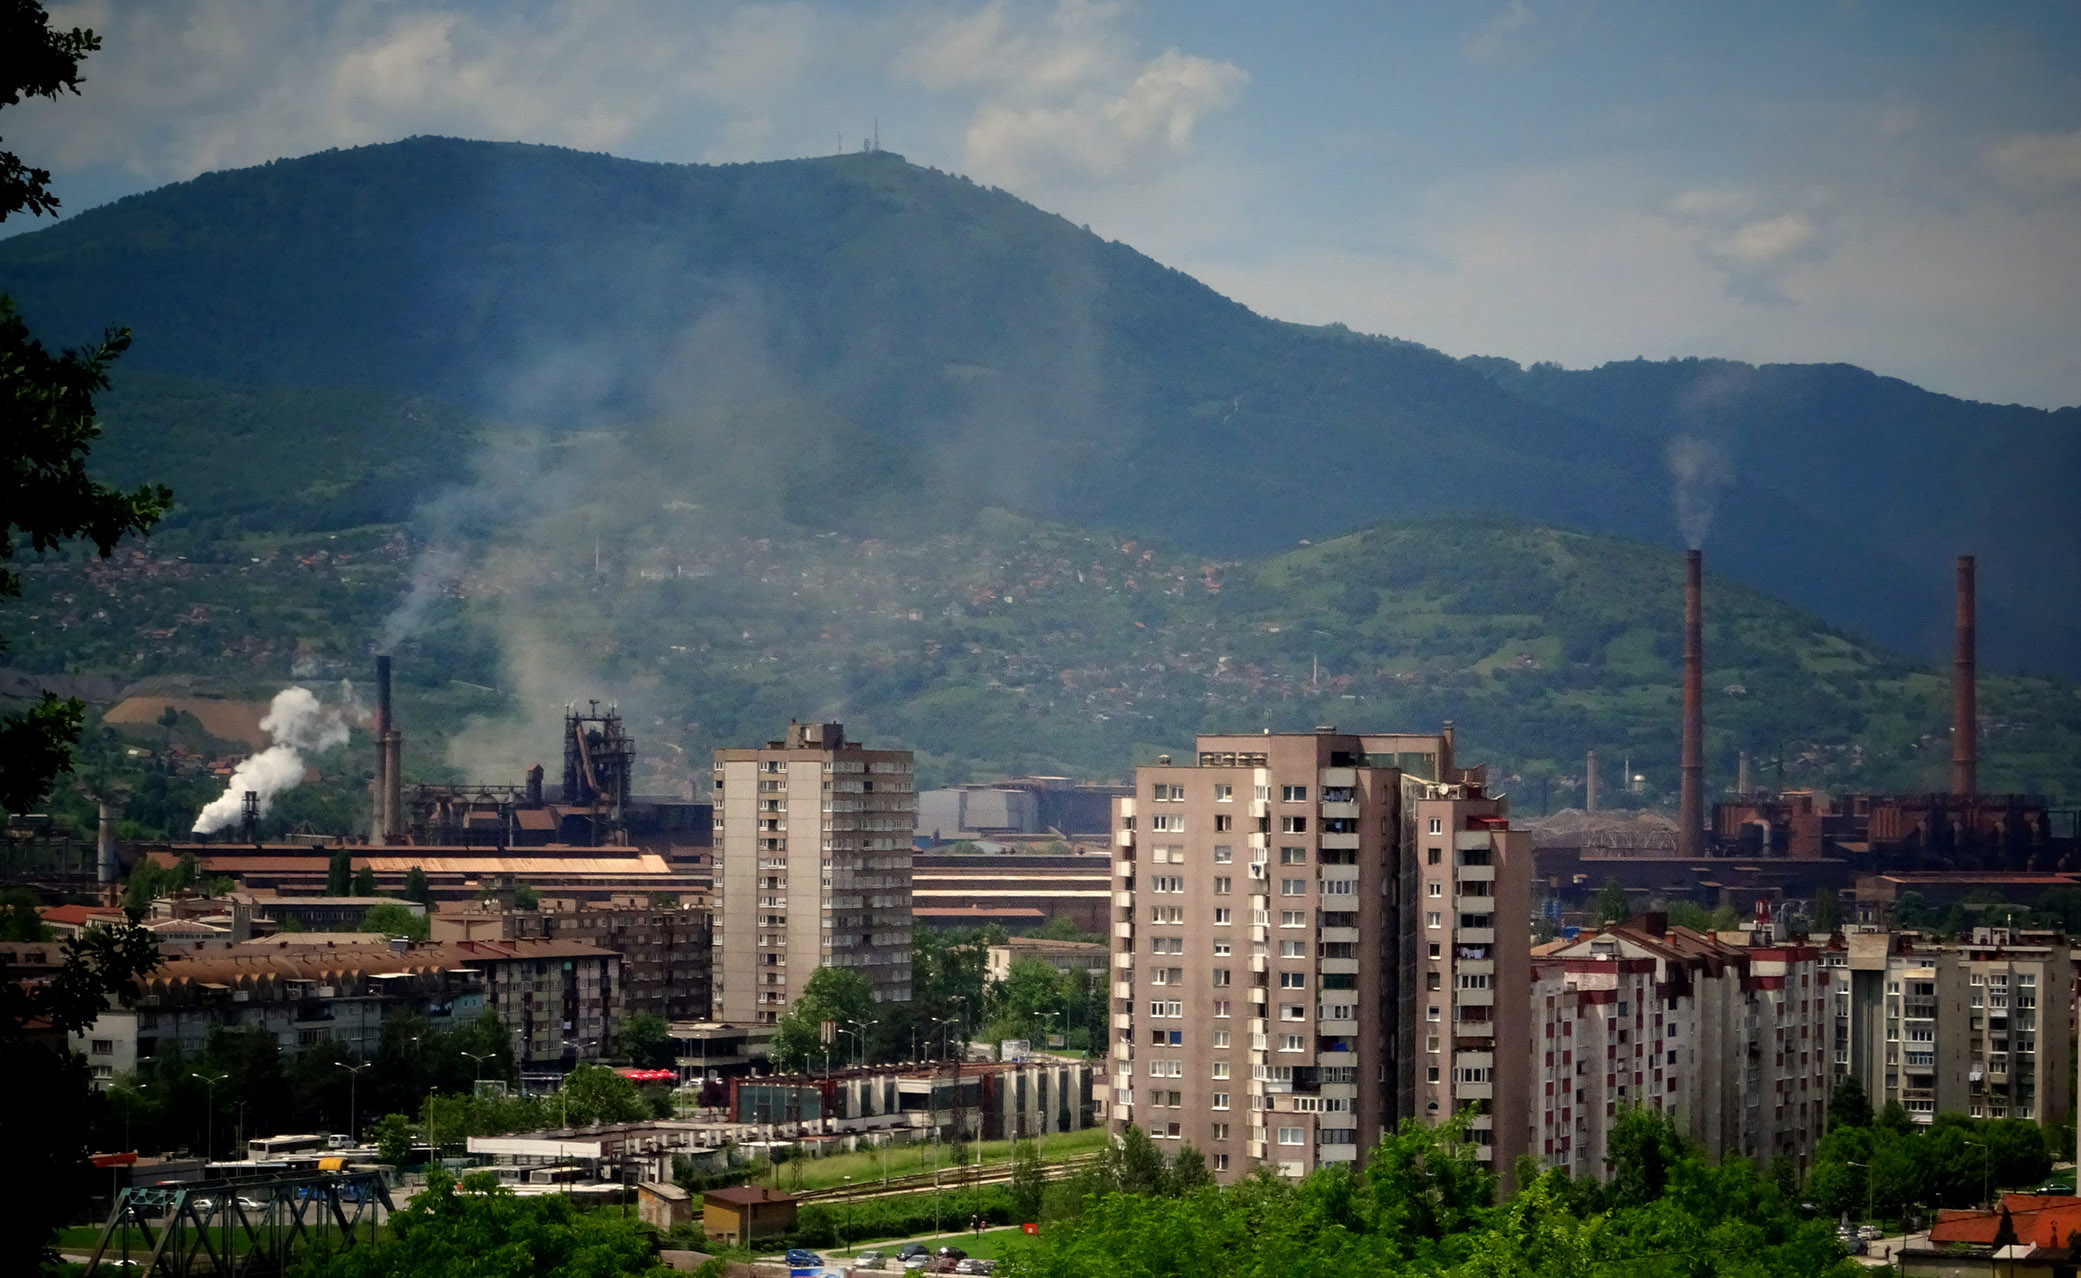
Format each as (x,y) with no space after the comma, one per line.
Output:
(860,1038)
(1867,1187)
(354,1099)
(209,1141)
(480,1058)
(848,1212)
(1986,1172)
(129,1106)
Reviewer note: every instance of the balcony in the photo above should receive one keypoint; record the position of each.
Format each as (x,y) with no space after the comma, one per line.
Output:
(1123,930)
(1124,959)
(1123,1020)
(1347,1029)
(1124,899)
(1474,935)
(1340,811)
(1476,873)
(1474,998)
(1124,989)
(1330,841)
(1347,934)
(1123,838)
(1337,966)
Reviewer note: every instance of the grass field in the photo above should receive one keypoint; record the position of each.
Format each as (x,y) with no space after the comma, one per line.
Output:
(907,1160)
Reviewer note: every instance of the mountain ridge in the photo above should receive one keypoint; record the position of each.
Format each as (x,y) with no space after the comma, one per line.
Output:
(985,351)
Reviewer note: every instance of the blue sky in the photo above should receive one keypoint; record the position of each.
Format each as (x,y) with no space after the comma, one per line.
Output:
(1897,186)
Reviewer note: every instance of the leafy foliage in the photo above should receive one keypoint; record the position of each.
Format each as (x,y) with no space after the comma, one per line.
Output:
(393,919)
(838,994)
(482,1230)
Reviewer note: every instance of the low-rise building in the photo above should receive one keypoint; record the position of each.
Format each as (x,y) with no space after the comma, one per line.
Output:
(666,950)
(299,996)
(1064,956)
(996,1101)
(743,1212)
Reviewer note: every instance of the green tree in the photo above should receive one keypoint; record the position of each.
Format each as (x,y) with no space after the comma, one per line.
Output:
(47,418)
(20,919)
(481,1229)
(365,881)
(837,994)
(595,1094)
(1644,1145)
(526,898)
(47,1179)
(1848,1105)
(1828,911)
(1018,1004)
(393,918)
(393,1139)
(1612,905)
(417,888)
(339,874)
(646,1040)
(1028,1180)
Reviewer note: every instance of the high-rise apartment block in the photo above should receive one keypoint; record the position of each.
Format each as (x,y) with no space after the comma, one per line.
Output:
(1317,935)
(1726,1033)
(812,869)
(1983,1027)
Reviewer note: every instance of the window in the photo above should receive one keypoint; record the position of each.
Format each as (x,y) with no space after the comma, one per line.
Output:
(1166,945)
(1430,1073)
(1291,1043)
(1293,887)
(1221,823)
(1222,948)
(1221,1041)
(104,1047)
(1437,825)
(1434,856)
(1169,794)
(1430,1043)
(1220,1069)
(1222,884)
(1431,1013)
(1223,916)
(1293,949)
(1433,919)
(1293,856)
(1170,1008)
(1434,889)
(1222,1006)
(1292,1012)
(1221,1098)
(1294,793)
(1224,854)
(1224,794)
(1167,914)
(1293,1135)
(1430,980)
(1220,976)
(1340,887)
(1169,821)
(1293,918)
(1293,825)
(1293,980)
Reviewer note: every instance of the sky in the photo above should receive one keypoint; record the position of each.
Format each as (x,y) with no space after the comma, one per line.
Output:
(1891,185)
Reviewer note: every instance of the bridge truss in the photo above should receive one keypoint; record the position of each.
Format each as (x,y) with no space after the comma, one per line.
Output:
(244,1228)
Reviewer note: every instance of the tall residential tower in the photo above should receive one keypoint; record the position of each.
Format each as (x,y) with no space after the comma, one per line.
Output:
(812,869)
(1317,935)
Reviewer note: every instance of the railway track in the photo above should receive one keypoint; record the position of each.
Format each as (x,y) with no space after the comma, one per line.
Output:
(991,1174)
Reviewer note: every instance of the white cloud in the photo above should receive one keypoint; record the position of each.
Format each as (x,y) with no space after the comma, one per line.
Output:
(1062,96)
(1497,35)
(180,89)
(2038,163)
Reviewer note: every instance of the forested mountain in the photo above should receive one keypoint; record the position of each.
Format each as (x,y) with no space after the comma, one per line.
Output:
(958,347)
(855,438)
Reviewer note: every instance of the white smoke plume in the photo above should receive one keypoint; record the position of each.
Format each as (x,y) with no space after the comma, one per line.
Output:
(300,724)
(1699,467)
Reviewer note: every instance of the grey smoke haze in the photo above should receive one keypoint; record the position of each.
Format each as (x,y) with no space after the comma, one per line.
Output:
(1699,469)
(300,724)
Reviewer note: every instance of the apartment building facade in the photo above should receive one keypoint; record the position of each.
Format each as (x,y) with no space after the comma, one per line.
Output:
(812,869)
(665,949)
(1983,1027)
(1315,936)
(1727,1033)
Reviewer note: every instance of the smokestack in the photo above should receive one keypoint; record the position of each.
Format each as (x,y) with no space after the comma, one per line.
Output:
(394,777)
(105,847)
(1965,723)
(1690,809)
(1741,775)
(1589,784)
(379,822)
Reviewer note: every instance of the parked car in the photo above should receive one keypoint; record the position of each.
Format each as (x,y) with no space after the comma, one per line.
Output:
(970,1266)
(870,1259)
(803,1258)
(911,1250)
(1869,1232)
(951,1252)
(916,1263)
(2055,1188)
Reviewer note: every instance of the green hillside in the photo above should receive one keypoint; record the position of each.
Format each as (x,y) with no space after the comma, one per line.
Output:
(1010,647)
(960,349)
